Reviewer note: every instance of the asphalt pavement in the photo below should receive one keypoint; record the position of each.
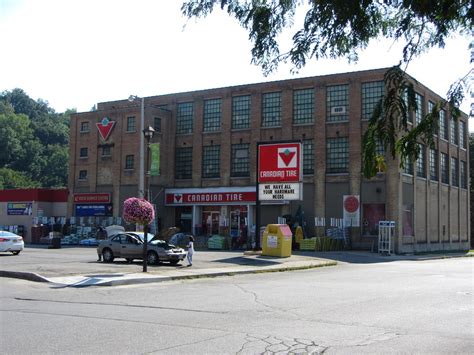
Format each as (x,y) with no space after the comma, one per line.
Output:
(78,266)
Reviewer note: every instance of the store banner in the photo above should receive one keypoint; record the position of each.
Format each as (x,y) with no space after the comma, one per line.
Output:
(155,159)
(19,208)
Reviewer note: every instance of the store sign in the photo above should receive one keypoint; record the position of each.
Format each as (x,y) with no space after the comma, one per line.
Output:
(279,192)
(93,210)
(105,127)
(279,162)
(351,210)
(92,198)
(210,198)
(19,208)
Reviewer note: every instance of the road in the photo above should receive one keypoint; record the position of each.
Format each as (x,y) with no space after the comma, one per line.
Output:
(397,307)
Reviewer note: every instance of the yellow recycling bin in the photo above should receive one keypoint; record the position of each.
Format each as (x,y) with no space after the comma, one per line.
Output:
(277,240)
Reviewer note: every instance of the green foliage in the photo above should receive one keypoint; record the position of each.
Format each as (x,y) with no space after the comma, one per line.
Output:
(33,142)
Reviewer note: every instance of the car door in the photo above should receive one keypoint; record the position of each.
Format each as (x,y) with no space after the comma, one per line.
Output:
(131,247)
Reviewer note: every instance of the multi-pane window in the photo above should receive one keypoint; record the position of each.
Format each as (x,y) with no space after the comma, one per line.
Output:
(157,124)
(211,157)
(337,105)
(303,106)
(419,108)
(212,115)
(454,131)
(337,155)
(184,163)
(405,100)
(308,156)
(421,161)
(379,148)
(106,151)
(83,153)
(462,134)
(408,166)
(129,160)
(454,171)
(241,112)
(85,127)
(240,164)
(433,164)
(371,94)
(444,167)
(271,109)
(131,124)
(463,174)
(82,174)
(443,125)
(184,118)
(431,106)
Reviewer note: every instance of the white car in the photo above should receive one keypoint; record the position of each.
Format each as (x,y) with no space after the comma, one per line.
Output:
(11,242)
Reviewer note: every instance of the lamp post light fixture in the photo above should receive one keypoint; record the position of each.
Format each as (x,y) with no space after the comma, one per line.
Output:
(148,135)
(141,179)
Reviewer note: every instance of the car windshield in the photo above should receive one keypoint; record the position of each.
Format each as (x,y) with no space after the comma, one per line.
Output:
(140,235)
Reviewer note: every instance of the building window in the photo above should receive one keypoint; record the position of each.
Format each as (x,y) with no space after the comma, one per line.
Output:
(303,106)
(371,94)
(454,131)
(443,125)
(106,151)
(212,115)
(408,166)
(184,118)
(129,160)
(308,157)
(433,164)
(271,109)
(82,174)
(419,108)
(405,101)
(85,127)
(463,174)
(421,162)
(431,106)
(454,172)
(241,112)
(131,124)
(240,165)
(444,165)
(184,163)
(157,124)
(211,157)
(337,106)
(462,134)
(83,153)
(337,155)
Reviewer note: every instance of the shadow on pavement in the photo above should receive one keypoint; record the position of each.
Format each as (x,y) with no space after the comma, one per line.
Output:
(240,260)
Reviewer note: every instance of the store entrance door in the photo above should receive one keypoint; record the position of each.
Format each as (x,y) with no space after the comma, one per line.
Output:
(210,219)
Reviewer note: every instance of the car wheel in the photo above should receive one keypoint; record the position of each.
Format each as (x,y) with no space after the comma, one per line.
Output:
(174,262)
(107,255)
(129,260)
(152,258)
(16,252)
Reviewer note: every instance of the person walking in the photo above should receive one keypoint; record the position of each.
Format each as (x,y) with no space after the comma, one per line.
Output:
(190,251)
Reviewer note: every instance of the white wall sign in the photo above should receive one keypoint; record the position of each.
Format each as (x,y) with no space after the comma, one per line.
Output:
(277,192)
(351,210)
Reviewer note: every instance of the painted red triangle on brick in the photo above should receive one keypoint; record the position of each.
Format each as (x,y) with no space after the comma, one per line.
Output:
(287,157)
(105,127)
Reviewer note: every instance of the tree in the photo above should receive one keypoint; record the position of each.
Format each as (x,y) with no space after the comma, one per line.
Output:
(11,179)
(341,28)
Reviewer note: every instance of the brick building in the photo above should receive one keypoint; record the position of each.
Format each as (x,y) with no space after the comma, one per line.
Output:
(208,144)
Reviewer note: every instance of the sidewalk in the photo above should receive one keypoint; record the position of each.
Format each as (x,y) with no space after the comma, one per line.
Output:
(77,267)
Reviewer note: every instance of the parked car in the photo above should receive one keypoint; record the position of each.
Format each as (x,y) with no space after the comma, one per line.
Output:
(11,242)
(129,245)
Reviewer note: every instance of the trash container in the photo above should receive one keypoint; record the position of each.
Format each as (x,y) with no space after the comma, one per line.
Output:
(55,243)
(277,240)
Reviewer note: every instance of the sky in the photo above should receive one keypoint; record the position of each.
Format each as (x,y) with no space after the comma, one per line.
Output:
(76,53)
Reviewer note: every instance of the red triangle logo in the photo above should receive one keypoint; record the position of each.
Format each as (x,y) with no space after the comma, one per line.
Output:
(178,198)
(287,156)
(105,127)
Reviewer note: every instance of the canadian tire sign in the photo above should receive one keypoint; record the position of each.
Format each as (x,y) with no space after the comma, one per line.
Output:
(279,162)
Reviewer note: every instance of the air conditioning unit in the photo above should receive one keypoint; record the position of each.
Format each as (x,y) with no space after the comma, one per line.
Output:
(338,110)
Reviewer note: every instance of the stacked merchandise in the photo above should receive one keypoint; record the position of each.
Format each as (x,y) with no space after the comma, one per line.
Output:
(329,244)
(308,244)
(217,242)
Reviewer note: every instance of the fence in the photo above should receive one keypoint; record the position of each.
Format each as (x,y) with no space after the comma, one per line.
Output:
(386,232)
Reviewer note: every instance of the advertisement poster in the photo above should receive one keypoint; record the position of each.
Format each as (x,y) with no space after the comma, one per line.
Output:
(19,208)
(351,207)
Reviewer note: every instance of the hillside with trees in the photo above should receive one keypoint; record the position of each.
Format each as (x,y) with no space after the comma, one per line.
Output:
(34,142)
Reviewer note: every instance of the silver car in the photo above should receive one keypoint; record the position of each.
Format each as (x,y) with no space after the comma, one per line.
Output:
(11,242)
(129,245)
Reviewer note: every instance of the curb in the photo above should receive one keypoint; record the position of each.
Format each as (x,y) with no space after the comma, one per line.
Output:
(30,276)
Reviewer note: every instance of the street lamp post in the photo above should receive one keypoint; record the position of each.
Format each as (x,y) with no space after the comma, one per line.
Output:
(141,180)
(148,135)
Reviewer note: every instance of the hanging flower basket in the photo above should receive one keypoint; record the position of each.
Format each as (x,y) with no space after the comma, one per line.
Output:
(138,211)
